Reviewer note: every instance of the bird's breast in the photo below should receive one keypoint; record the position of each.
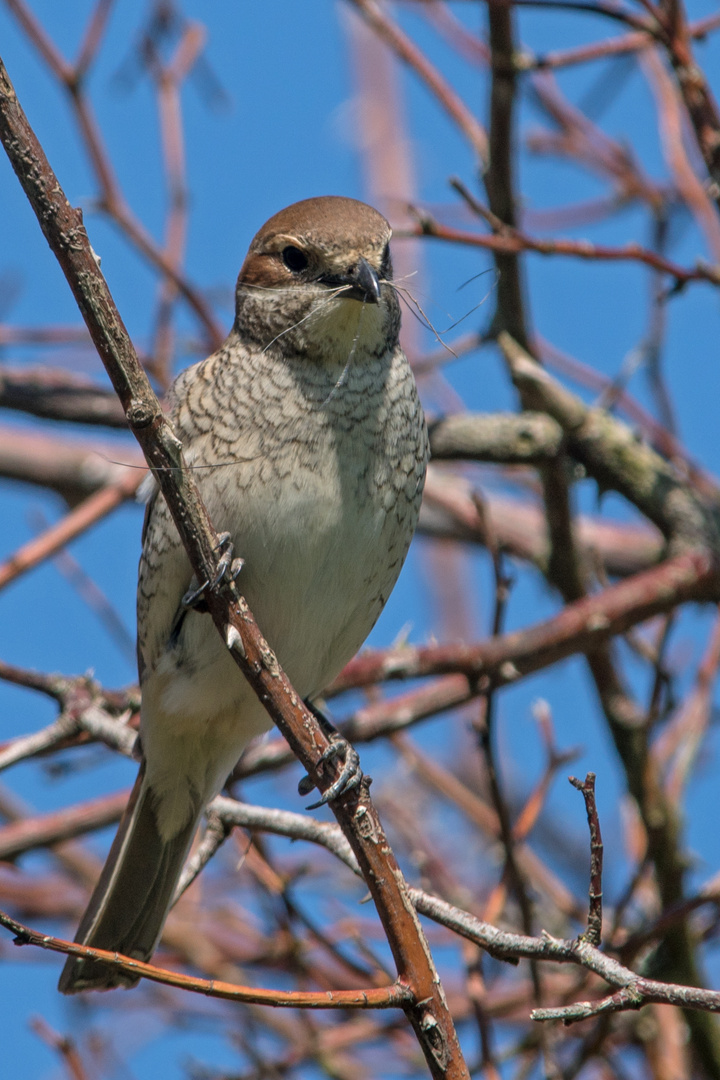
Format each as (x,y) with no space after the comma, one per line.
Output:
(321,502)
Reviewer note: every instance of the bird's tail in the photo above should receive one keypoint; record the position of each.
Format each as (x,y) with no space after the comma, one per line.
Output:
(131,900)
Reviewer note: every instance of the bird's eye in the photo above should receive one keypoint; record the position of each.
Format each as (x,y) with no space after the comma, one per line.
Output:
(386,264)
(295,259)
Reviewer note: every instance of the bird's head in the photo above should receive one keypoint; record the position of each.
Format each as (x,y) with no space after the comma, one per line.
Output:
(316,280)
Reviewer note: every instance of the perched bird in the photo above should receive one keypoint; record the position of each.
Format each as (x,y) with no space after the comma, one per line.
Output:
(309,447)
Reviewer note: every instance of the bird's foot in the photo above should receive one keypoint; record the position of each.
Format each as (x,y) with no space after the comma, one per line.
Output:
(227,569)
(350,776)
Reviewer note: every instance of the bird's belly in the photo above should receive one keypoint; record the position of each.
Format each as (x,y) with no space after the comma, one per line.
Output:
(317,571)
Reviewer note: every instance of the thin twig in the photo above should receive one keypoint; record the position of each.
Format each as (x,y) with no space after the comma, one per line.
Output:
(593,933)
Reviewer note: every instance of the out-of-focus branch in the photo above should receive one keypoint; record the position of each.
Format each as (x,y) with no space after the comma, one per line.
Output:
(57,394)
(386,28)
(575,629)
(482,816)
(599,50)
(169,78)
(85,710)
(73,469)
(699,101)
(63,1045)
(77,521)
(581,141)
(73,78)
(46,829)
(511,309)
(654,432)
(677,749)
(449,511)
(373,721)
(500,438)
(513,242)
(614,457)
(671,117)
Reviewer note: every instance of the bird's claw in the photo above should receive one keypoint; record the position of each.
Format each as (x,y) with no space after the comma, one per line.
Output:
(194,599)
(227,569)
(350,776)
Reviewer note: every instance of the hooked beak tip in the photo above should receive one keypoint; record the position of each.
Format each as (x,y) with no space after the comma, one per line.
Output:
(368,281)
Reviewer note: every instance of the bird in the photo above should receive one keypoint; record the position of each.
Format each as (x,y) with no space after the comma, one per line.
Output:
(308,442)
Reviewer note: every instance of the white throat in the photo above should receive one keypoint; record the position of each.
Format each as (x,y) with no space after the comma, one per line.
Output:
(341,329)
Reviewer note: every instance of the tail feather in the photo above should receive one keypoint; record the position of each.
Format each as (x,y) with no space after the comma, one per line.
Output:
(132,898)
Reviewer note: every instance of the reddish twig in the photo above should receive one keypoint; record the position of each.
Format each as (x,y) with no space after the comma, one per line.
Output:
(111,198)
(64,1045)
(518,242)
(47,829)
(169,78)
(671,123)
(600,50)
(73,468)
(576,629)
(388,997)
(88,513)
(387,29)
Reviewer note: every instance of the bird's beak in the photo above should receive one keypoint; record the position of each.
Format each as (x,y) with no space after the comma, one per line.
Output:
(361,283)
(367,282)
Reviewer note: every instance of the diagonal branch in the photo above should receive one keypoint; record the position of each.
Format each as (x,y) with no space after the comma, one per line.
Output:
(63,228)
(389,31)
